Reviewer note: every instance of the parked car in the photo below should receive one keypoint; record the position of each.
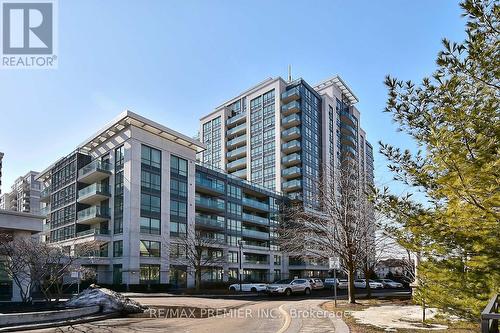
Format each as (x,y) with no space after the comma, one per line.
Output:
(361,283)
(388,283)
(253,287)
(331,282)
(343,284)
(288,287)
(316,284)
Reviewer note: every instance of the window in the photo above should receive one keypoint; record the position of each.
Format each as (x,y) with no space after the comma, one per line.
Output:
(150,181)
(150,203)
(151,157)
(232,257)
(150,225)
(234,191)
(178,229)
(178,250)
(149,248)
(178,166)
(118,200)
(277,259)
(118,248)
(234,208)
(149,274)
(178,187)
(178,209)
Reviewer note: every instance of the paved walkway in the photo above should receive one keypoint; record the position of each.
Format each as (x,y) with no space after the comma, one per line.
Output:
(308,317)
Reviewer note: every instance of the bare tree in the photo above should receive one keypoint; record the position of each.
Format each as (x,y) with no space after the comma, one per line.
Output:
(201,251)
(32,264)
(339,228)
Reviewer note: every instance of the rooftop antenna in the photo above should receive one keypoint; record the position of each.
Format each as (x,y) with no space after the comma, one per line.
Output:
(289,73)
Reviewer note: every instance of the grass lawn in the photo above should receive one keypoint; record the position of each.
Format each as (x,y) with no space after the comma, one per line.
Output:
(453,326)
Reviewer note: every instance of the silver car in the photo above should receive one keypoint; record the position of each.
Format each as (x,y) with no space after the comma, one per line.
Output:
(316,284)
(288,287)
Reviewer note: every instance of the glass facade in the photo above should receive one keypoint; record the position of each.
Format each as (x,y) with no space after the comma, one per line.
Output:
(118,193)
(212,138)
(178,196)
(262,140)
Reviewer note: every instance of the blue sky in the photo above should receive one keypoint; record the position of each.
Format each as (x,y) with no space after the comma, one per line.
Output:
(174,61)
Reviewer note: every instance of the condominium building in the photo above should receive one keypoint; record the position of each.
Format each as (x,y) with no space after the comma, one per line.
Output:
(24,195)
(281,134)
(135,188)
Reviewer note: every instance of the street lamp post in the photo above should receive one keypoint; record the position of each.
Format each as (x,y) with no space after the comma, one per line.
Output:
(240,259)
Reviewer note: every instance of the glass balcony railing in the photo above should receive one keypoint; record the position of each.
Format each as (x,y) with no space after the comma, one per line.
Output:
(210,222)
(237,163)
(348,129)
(349,117)
(291,146)
(95,165)
(290,172)
(255,204)
(236,118)
(291,133)
(45,193)
(291,94)
(240,173)
(348,140)
(235,130)
(289,159)
(210,203)
(291,120)
(256,262)
(95,188)
(238,140)
(348,149)
(256,247)
(44,211)
(93,212)
(255,219)
(292,185)
(290,107)
(92,232)
(237,152)
(210,184)
(254,234)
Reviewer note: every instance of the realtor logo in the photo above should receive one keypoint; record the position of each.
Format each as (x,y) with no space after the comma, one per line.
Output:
(28,34)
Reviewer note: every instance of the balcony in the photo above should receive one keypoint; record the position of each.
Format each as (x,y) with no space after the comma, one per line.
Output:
(240,173)
(347,118)
(290,134)
(255,234)
(209,223)
(236,119)
(238,164)
(44,211)
(209,186)
(291,120)
(292,185)
(290,108)
(292,172)
(93,232)
(94,194)
(92,215)
(348,140)
(240,129)
(291,146)
(255,219)
(348,130)
(45,194)
(209,204)
(259,205)
(234,154)
(292,159)
(348,150)
(290,95)
(256,247)
(237,142)
(94,172)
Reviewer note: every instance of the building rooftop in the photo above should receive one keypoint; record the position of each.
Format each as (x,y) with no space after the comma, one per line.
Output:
(341,85)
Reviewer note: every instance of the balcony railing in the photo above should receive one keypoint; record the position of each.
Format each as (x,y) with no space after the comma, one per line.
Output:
(292,185)
(291,133)
(348,139)
(291,120)
(210,184)
(237,141)
(93,212)
(491,316)
(92,232)
(255,219)
(45,194)
(95,188)
(240,173)
(256,204)
(210,203)
(290,95)
(255,234)
(291,172)
(96,167)
(209,222)
(237,163)
(236,130)
(237,118)
(347,129)
(290,108)
(44,211)
(293,145)
(237,152)
(347,116)
(256,262)
(291,159)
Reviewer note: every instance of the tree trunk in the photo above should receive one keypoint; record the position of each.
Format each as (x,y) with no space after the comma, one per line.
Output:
(198,279)
(351,291)
(368,289)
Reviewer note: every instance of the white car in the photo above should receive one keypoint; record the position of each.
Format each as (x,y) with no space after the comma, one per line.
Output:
(361,283)
(253,287)
(388,283)
(343,284)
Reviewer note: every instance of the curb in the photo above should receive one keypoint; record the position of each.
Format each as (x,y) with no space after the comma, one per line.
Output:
(58,323)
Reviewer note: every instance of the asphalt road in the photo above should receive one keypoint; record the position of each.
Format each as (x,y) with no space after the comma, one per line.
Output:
(277,314)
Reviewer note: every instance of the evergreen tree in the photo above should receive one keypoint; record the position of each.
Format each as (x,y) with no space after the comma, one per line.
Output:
(454,117)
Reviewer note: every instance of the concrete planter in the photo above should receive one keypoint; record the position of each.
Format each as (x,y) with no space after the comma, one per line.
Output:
(26,318)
